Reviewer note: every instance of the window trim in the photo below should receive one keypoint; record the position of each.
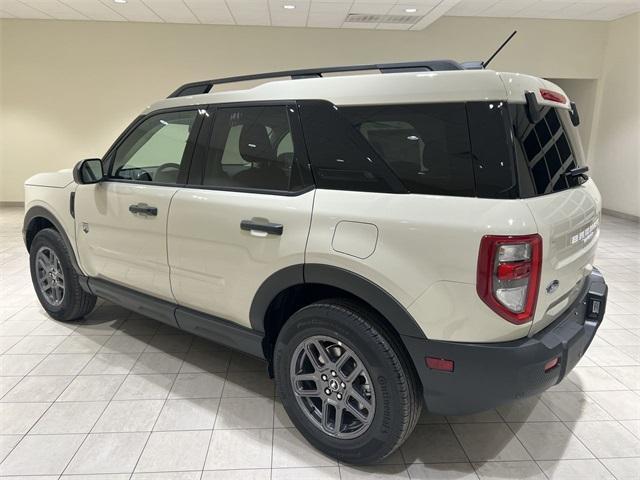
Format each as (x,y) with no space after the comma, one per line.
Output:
(187,157)
(195,177)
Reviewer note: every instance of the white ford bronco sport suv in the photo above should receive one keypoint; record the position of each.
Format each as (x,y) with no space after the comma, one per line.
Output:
(421,235)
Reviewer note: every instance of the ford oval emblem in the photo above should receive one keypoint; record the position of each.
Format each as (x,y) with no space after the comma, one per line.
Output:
(553,286)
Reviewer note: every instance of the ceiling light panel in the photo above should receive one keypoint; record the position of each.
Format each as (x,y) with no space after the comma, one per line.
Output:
(288,17)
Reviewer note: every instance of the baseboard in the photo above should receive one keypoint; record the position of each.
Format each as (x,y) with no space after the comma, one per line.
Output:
(625,216)
(11,204)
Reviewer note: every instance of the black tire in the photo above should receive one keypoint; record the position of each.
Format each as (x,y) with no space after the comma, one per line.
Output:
(75,303)
(398,398)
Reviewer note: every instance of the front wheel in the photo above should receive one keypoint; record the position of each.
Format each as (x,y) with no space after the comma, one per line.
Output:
(55,280)
(345,381)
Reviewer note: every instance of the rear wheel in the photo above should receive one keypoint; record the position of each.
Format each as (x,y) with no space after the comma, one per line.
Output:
(55,280)
(345,382)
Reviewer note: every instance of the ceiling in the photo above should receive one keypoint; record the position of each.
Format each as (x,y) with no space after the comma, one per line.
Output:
(380,14)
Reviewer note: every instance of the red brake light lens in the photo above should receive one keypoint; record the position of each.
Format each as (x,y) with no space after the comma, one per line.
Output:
(508,276)
(553,96)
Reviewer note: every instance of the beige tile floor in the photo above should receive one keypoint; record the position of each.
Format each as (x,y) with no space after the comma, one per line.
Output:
(118,396)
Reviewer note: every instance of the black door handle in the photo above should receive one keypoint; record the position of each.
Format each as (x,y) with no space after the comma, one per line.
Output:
(272,228)
(143,209)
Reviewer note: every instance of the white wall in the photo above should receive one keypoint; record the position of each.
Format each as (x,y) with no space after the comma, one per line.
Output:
(615,144)
(583,92)
(67,89)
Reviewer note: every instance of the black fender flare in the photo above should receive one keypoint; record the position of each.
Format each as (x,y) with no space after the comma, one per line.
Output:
(41,212)
(355,284)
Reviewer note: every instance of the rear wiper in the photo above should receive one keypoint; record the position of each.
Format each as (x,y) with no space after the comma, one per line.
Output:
(578,172)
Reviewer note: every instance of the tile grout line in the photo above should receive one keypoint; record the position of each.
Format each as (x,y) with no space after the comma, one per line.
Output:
(165,399)
(106,403)
(50,403)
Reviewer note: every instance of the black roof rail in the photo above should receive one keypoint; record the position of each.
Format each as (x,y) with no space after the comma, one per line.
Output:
(205,86)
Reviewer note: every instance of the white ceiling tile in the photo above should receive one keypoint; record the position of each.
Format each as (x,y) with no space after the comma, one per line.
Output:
(21,10)
(470,8)
(211,11)
(543,9)
(610,13)
(172,11)
(438,11)
(329,8)
(312,13)
(56,9)
(579,9)
(133,10)
(250,12)
(94,10)
(283,17)
(325,20)
(506,8)
(380,8)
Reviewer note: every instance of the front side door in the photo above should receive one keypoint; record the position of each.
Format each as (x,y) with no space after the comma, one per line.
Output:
(121,221)
(247,213)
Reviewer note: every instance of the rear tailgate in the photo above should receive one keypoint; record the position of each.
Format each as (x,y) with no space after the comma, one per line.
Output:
(568,222)
(565,207)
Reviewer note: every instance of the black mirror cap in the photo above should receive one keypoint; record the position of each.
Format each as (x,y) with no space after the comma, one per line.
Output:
(575,116)
(88,171)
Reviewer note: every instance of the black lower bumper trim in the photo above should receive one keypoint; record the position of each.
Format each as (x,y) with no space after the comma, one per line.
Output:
(489,374)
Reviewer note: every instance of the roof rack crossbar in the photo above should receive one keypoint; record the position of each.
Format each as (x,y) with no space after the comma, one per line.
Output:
(205,86)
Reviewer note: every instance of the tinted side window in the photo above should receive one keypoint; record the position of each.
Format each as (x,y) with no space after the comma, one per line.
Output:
(251,148)
(426,145)
(155,149)
(545,149)
(489,126)
(340,158)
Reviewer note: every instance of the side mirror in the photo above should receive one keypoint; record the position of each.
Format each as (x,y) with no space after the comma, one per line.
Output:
(88,171)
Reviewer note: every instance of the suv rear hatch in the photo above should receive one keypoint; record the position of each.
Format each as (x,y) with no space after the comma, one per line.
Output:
(566,207)
(499,149)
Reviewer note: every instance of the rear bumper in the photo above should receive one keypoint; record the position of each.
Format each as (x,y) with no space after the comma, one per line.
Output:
(489,374)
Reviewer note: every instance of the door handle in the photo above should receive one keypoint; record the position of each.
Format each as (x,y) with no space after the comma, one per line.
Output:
(143,209)
(272,228)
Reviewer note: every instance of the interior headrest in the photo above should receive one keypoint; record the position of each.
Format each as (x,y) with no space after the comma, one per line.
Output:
(255,146)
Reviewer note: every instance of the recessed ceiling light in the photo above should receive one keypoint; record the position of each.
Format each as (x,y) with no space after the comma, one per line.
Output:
(410,10)
(289,7)
(120,1)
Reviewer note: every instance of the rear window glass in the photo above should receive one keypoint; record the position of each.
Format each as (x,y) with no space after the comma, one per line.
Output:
(426,145)
(340,158)
(547,150)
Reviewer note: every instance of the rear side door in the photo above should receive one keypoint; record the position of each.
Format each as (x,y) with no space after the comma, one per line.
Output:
(121,221)
(246,212)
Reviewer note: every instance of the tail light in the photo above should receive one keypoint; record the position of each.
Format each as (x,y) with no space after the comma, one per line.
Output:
(508,276)
(552,96)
